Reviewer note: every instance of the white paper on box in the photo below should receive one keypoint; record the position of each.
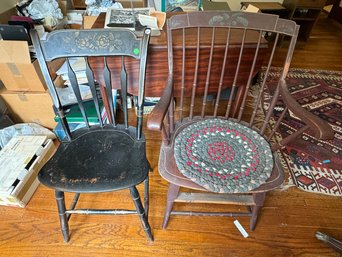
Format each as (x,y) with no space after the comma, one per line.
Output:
(15,156)
(252,8)
(149,21)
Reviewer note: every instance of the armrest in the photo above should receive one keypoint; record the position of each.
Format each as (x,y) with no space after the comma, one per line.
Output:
(321,128)
(156,117)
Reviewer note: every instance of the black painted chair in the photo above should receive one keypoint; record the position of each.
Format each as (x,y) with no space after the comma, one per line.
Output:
(107,156)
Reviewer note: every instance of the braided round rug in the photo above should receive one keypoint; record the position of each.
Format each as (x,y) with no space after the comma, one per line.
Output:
(223,156)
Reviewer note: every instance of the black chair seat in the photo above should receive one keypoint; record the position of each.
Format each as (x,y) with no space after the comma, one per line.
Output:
(99,160)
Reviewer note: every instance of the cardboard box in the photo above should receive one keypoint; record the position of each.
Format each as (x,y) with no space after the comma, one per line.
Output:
(88,21)
(20,161)
(17,72)
(30,107)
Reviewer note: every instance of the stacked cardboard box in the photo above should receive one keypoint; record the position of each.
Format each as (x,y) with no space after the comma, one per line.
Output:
(25,92)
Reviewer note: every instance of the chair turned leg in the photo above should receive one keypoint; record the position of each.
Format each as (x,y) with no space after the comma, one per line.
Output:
(172,194)
(149,166)
(259,199)
(141,212)
(62,215)
(146,197)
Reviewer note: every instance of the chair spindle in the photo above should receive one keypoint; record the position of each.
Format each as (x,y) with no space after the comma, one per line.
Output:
(194,85)
(242,108)
(236,74)
(226,50)
(76,89)
(108,84)
(91,83)
(263,83)
(123,78)
(208,72)
(183,75)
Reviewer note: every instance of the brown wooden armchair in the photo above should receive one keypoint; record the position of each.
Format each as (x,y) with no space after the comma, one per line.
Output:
(224,151)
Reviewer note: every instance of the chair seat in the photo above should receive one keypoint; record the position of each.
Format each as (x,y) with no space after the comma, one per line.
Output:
(99,160)
(223,156)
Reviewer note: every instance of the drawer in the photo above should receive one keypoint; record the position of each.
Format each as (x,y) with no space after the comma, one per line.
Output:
(311,3)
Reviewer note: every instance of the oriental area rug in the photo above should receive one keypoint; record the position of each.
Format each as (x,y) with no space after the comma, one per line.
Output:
(314,165)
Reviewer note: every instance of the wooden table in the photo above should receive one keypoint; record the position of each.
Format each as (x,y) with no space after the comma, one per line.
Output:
(157,64)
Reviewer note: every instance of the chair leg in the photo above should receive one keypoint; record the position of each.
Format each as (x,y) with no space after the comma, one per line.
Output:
(172,194)
(62,215)
(141,212)
(149,166)
(259,199)
(146,197)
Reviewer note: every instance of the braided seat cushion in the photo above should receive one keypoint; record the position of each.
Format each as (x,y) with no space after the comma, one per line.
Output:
(223,156)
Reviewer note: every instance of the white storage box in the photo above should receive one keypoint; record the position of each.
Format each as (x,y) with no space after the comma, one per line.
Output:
(20,160)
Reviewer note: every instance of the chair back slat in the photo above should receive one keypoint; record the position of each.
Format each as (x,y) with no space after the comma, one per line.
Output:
(263,83)
(169,127)
(92,42)
(251,73)
(183,75)
(76,90)
(194,84)
(101,49)
(223,69)
(230,101)
(286,66)
(109,92)
(91,84)
(225,56)
(208,72)
(123,79)
(226,19)
(141,84)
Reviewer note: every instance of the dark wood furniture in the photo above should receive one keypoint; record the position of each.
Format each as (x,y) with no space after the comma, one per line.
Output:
(157,66)
(172,119)
(336,11)
(305,13)
(268,7)
(105,157)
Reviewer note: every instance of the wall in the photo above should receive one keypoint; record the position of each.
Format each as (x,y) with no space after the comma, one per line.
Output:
(5,5)
(7,8)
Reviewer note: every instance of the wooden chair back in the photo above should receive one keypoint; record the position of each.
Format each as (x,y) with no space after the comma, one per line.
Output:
(227,53)
(104,50)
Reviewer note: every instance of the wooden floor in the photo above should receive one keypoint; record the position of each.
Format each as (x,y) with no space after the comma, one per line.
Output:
(286,226)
